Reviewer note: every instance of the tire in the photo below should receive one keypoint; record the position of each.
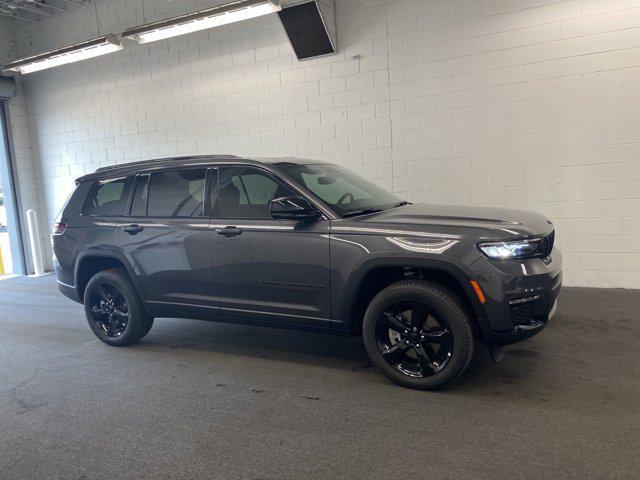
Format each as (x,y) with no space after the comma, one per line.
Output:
(114,310)
(437,343)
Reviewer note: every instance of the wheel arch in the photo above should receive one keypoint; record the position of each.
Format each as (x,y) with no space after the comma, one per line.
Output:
(93,261)
(374,275)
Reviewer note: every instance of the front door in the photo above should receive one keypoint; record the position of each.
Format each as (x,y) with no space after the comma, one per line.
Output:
(272,270)
(166,238)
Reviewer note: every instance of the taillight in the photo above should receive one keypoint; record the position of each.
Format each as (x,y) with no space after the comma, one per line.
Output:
(58,228)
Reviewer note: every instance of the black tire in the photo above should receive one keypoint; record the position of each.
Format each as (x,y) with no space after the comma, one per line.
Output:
(455,344)
(114,310)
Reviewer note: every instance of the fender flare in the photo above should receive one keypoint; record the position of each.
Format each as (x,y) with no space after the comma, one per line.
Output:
(102,253)
(348,306)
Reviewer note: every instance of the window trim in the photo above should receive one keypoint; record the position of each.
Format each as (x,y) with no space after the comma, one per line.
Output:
(209,184)
(178,169)
(216,213)
(92,190)
(206,210)
(327,212)
(316,200)
(212,193)
(133,192)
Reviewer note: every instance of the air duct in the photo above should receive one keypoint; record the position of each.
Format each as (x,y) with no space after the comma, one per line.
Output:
(7,88)
(311,28)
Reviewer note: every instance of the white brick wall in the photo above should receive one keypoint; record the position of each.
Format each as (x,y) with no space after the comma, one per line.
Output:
(531,104)
(27,174)
(7,39)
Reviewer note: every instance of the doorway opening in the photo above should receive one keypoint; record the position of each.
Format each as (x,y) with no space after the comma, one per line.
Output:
(6,265)
(12,258)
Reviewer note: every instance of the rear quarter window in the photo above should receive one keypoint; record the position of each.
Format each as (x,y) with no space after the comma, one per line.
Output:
(108,197)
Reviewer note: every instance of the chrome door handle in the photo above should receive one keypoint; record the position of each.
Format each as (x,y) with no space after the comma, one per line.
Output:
(229,231)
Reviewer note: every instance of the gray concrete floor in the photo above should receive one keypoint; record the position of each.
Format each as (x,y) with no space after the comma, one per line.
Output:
(197,399)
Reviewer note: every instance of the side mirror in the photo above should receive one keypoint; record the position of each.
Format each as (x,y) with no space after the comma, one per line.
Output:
(292,208)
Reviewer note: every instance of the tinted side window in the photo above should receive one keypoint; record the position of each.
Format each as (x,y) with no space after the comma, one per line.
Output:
(176,194)
(108,197)
(140,194)
(245,192)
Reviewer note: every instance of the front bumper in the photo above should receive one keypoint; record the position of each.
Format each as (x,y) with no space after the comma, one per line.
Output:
(521,296)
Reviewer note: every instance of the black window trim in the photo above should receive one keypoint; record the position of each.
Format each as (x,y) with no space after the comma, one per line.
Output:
(133,192)
(94,186)
(211,189)
(206,212)
(315,199)
(328,212)
(277,178)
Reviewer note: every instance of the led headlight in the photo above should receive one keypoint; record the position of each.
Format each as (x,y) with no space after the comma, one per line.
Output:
(511,250)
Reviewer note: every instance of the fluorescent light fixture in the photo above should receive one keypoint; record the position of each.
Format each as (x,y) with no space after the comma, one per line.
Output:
(202,20)
(62,56)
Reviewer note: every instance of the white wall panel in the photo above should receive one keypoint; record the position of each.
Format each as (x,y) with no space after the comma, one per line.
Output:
(532,104)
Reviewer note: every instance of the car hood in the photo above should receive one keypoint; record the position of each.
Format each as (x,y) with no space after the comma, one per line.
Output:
(483,222)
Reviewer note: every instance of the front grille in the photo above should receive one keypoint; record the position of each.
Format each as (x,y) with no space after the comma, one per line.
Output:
(527,311)
(522,314)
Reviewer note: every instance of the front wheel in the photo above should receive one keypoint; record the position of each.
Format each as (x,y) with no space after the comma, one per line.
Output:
(114,310)
(419,334)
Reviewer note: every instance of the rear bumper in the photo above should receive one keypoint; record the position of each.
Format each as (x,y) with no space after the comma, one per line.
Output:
(521,297)
(69,291)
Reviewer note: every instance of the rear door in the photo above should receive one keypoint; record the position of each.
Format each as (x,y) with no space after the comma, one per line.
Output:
(166,238)
(92,216)
(272,270)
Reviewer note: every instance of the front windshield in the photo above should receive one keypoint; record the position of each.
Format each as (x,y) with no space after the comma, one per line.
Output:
(344,191)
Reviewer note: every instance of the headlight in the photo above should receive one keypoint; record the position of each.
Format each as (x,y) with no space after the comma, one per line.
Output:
(511,250)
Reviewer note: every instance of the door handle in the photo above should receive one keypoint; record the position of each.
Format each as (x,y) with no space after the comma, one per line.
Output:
(132,229)
(229,231)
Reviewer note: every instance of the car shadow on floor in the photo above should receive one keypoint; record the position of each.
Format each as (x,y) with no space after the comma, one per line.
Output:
(344,352)
(328,351)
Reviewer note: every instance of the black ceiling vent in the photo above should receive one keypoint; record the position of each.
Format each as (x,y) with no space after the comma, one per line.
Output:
(310,32)
(7,88)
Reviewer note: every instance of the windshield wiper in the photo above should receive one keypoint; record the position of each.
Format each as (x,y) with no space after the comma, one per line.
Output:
(364,211)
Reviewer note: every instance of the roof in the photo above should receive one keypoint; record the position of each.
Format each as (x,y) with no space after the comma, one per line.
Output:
(188,161)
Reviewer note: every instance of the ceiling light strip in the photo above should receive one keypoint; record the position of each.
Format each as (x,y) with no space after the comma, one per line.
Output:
(202,20)
(62,56)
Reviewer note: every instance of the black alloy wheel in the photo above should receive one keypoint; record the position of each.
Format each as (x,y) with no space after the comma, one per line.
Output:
(108,309)
(419,334)
(413,339)
(114,310)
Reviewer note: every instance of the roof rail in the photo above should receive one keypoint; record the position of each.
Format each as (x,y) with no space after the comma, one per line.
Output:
(154,161)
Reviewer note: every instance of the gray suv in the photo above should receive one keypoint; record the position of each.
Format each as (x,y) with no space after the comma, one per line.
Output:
(308,245)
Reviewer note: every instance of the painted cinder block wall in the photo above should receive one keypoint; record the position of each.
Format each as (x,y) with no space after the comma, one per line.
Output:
(529,104)
(28,167)
(8,48)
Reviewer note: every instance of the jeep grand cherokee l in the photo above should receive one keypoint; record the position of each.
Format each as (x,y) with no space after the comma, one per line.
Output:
(308,245)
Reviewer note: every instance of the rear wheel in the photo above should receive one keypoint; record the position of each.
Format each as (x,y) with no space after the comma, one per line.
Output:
(113,309)
(419,334)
